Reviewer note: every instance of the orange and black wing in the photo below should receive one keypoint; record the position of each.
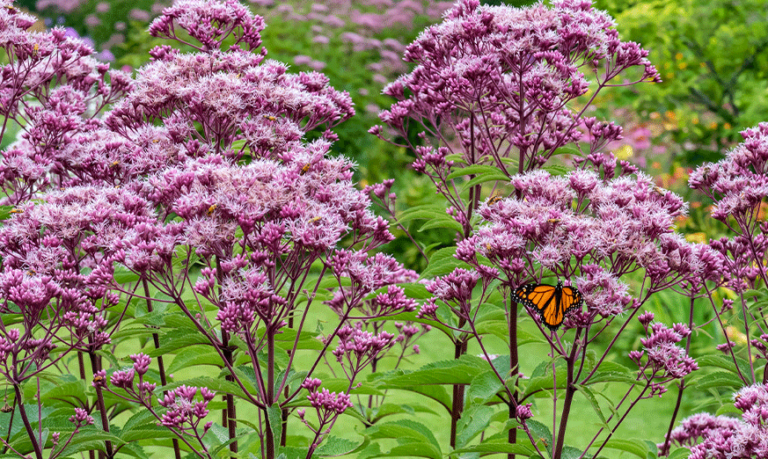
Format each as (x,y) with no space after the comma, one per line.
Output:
(571,299)
(536,296)
(552,304)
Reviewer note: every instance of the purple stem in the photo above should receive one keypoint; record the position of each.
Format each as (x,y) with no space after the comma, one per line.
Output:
(27,425)
(682,385)
(161,366)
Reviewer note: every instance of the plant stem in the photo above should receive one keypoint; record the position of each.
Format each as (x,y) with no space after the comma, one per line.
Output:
(270,389)
(100,404)
(27,425)
(231,414)
(160,364)
(569,391)
(514,368)
(457,406)
(682,386)
(81,366)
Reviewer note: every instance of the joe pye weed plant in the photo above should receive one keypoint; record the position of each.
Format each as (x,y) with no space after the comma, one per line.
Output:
(193,217)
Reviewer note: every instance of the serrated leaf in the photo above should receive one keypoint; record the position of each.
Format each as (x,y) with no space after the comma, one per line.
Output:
(335,446)
(275,417)
(124,275)
(472,422)
(725,362)
(193,356)
(590,396)
(484,387)
(406,428)
(178,339)
(679,453)
(444,221)
(636,447)
(475,169)
(457,371)
(718,379)
(488,447)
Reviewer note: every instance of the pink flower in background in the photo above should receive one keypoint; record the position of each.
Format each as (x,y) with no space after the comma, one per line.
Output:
(321,39)
(102,7)
(317,65)
(302,60)
(92,20)
(139,15)
(64,6)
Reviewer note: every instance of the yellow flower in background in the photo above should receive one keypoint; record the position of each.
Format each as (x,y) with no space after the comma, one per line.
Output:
(695,120)
(363,183)
(712,125)
(736,335)
(655,115)
(679,56)
(703,65)
(701,238)
(656,165)
(682,65)
(625,152)
(726,125)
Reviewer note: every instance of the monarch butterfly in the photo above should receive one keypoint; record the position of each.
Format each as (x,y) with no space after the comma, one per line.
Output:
(553,303)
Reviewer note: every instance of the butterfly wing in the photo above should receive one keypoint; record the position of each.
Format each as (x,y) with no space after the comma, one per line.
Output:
(536,296)
(551,304)
(572,299)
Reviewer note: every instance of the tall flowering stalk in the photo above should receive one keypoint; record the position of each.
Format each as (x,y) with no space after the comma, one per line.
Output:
(738,185)
(198,180)
(499,91)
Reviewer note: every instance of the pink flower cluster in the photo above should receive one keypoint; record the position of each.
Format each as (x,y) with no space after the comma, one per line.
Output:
(724,437)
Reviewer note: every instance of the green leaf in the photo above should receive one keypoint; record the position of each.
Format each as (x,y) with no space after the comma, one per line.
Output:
(124,275)
(590,396)
(472,422)
(484,387)
(413,449)
(442,262)
(457,371)
(5,212)
(725,362)
(718,379)
(195,355)
(335,446)
(679,453)
(636,447)
(476,169)
(488,447)
(425,212)
(406,428)
(555,169)
(443,221)
(274,415)
(178,339)
(147,432)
